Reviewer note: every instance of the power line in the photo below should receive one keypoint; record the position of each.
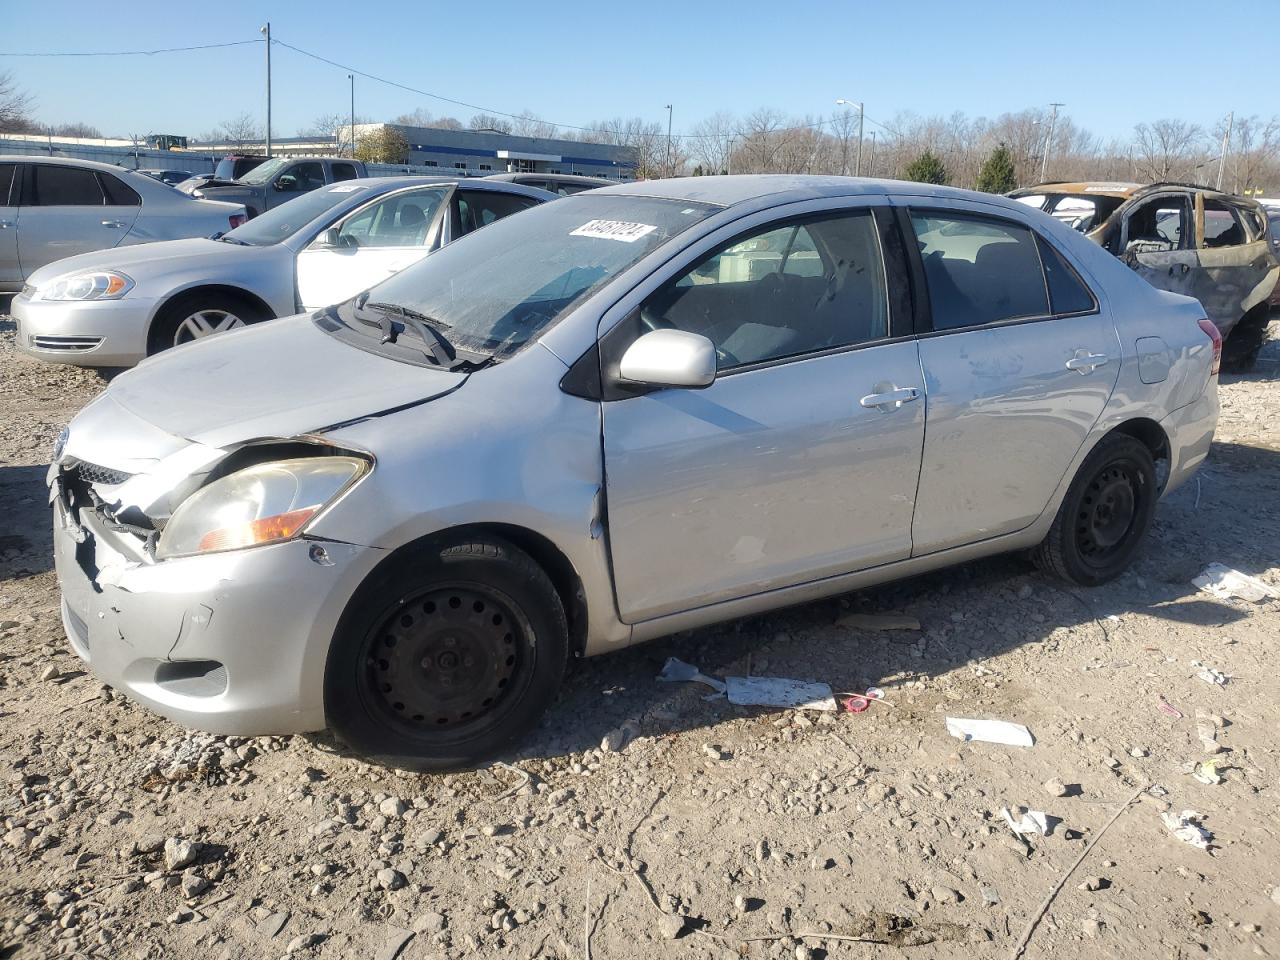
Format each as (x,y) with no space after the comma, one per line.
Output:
(134,53)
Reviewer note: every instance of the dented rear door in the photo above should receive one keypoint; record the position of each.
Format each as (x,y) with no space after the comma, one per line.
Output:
(1235,268)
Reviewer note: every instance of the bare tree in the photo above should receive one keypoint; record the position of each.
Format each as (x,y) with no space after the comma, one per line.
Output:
(334,126)
(15,106)
(487,121)
(237,131)
(1252,153)
(83,130)
(528,125)
(1168,149)
(711,140)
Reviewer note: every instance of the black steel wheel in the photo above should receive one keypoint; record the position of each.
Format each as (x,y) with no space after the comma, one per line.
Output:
(1105,514)
(446,657)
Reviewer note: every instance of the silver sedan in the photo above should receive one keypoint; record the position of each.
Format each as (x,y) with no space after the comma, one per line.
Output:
(51,208)
(116,307)
(631,412)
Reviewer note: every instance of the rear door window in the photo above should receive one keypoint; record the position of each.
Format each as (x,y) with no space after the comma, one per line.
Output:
(1068,294)
(7,171)
(54,186)
(344,171)
(979,270)
(1222,227)
(119,193)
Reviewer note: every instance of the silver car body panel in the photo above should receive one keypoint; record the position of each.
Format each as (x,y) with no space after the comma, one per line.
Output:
(673,510)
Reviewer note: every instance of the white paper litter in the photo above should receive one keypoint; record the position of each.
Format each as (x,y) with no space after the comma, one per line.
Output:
(677,671)
(780,692)
(1030,821)
(1224,583)
(1185,827)
(990,731)
(1210,675)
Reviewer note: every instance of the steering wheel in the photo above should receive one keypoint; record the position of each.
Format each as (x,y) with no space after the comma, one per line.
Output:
(652,321)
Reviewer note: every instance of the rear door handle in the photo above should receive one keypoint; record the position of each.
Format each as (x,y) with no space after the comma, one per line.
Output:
(1182,269)
(113,224)
(1086,363)
(5,224)
(890,399)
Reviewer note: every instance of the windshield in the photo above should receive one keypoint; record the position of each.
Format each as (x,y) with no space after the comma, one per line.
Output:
(288,218)
(266,171)
(498,288)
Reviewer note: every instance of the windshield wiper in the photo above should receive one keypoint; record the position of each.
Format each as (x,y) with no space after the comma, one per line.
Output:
(236,240)
(438,346)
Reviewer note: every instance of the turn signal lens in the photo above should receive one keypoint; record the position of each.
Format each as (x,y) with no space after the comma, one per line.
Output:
(267,530)
(1209,327)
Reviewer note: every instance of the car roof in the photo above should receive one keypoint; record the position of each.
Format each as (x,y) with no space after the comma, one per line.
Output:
(66,162)
(481,183)
(779,188)
(550,177)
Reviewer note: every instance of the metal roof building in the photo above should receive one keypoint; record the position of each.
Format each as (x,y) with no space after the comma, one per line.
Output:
(479,152)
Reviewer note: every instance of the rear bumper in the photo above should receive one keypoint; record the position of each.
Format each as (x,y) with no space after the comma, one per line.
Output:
(1190,432)
(231,643)
(102,333)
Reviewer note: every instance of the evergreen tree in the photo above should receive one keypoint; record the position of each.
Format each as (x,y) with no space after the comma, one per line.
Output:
(927,168)
(997,174)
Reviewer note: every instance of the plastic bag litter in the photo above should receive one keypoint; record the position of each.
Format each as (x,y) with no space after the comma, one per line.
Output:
(677,671)
(990,731)
(1207,772)
(1223,582)
(1210,675)
(1186,827)
(780,692)
(1029,821)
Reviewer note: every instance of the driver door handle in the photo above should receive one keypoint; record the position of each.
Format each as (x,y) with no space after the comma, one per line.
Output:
(1086,363)
(113,224)
(890,399)
(1182,269)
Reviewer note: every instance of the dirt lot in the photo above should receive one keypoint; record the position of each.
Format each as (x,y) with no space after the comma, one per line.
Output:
(754,825)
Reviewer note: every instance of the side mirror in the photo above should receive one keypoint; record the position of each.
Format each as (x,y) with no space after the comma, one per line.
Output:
(670,358)
(329,238)
(286,182)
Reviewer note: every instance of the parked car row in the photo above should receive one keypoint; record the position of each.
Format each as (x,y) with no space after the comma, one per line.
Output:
(1209,245)
(117,307)
(606,418)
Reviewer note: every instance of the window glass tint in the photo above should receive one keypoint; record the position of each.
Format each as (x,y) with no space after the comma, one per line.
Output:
(979,271)
(309,175)
(782,292)
(1157,225)
(6,183)
(1221,227)
(65,186)
(119,193)
(1067,292)
(399,221)
(477,209)
(344,171)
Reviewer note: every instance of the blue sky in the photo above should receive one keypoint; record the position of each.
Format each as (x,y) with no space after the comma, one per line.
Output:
(577,62)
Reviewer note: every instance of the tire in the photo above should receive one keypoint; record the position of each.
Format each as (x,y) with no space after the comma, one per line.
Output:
(1104,516)
(446,659)
(177,321)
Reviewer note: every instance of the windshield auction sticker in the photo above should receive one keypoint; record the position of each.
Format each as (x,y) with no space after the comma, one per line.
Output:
(614,230)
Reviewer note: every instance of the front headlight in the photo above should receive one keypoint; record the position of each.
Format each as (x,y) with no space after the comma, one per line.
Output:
(99,285)
(266,503)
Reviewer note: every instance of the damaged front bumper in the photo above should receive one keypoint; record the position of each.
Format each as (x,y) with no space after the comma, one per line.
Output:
(230,643)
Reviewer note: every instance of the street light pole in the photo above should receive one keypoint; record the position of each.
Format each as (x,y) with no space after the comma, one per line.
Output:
(352,78)
(669,170)
(1048,143)
(1226,145)
(857,163)
(266,32)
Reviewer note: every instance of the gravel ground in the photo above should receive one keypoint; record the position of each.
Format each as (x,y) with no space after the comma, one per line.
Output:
(718,831)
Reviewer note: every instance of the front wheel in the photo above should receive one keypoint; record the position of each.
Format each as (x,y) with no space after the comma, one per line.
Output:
(197,315)
(1104,516)
(448,658)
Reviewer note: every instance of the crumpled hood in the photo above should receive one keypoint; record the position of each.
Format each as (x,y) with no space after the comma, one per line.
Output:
(277,379)
(142,260)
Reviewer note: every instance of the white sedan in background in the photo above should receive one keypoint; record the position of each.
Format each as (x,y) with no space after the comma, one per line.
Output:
(114,308)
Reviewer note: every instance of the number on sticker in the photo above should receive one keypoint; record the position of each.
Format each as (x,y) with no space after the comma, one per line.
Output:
(613,230)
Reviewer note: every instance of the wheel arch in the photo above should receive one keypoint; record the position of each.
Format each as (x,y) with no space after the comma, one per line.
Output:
(542,550)
(223,289)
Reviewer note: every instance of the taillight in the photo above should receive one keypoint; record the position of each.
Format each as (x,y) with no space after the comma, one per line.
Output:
(1216,336)
(236,219)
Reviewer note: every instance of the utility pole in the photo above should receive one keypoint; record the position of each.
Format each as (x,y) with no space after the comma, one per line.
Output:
(728,159)
(669,170)
(857,163)
(266,32)
(1048,143)
(871,167)
(352,78)
(1226,145)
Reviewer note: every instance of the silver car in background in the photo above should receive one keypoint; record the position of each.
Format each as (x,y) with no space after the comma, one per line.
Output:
(53,208)
(116,307)
(631,412)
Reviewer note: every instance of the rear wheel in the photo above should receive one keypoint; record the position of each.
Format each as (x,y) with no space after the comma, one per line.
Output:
(1240,350)
(1104,516)
(198,315)
(448,658)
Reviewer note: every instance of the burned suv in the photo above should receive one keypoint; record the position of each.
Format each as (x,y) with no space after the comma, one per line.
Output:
(1183,238)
